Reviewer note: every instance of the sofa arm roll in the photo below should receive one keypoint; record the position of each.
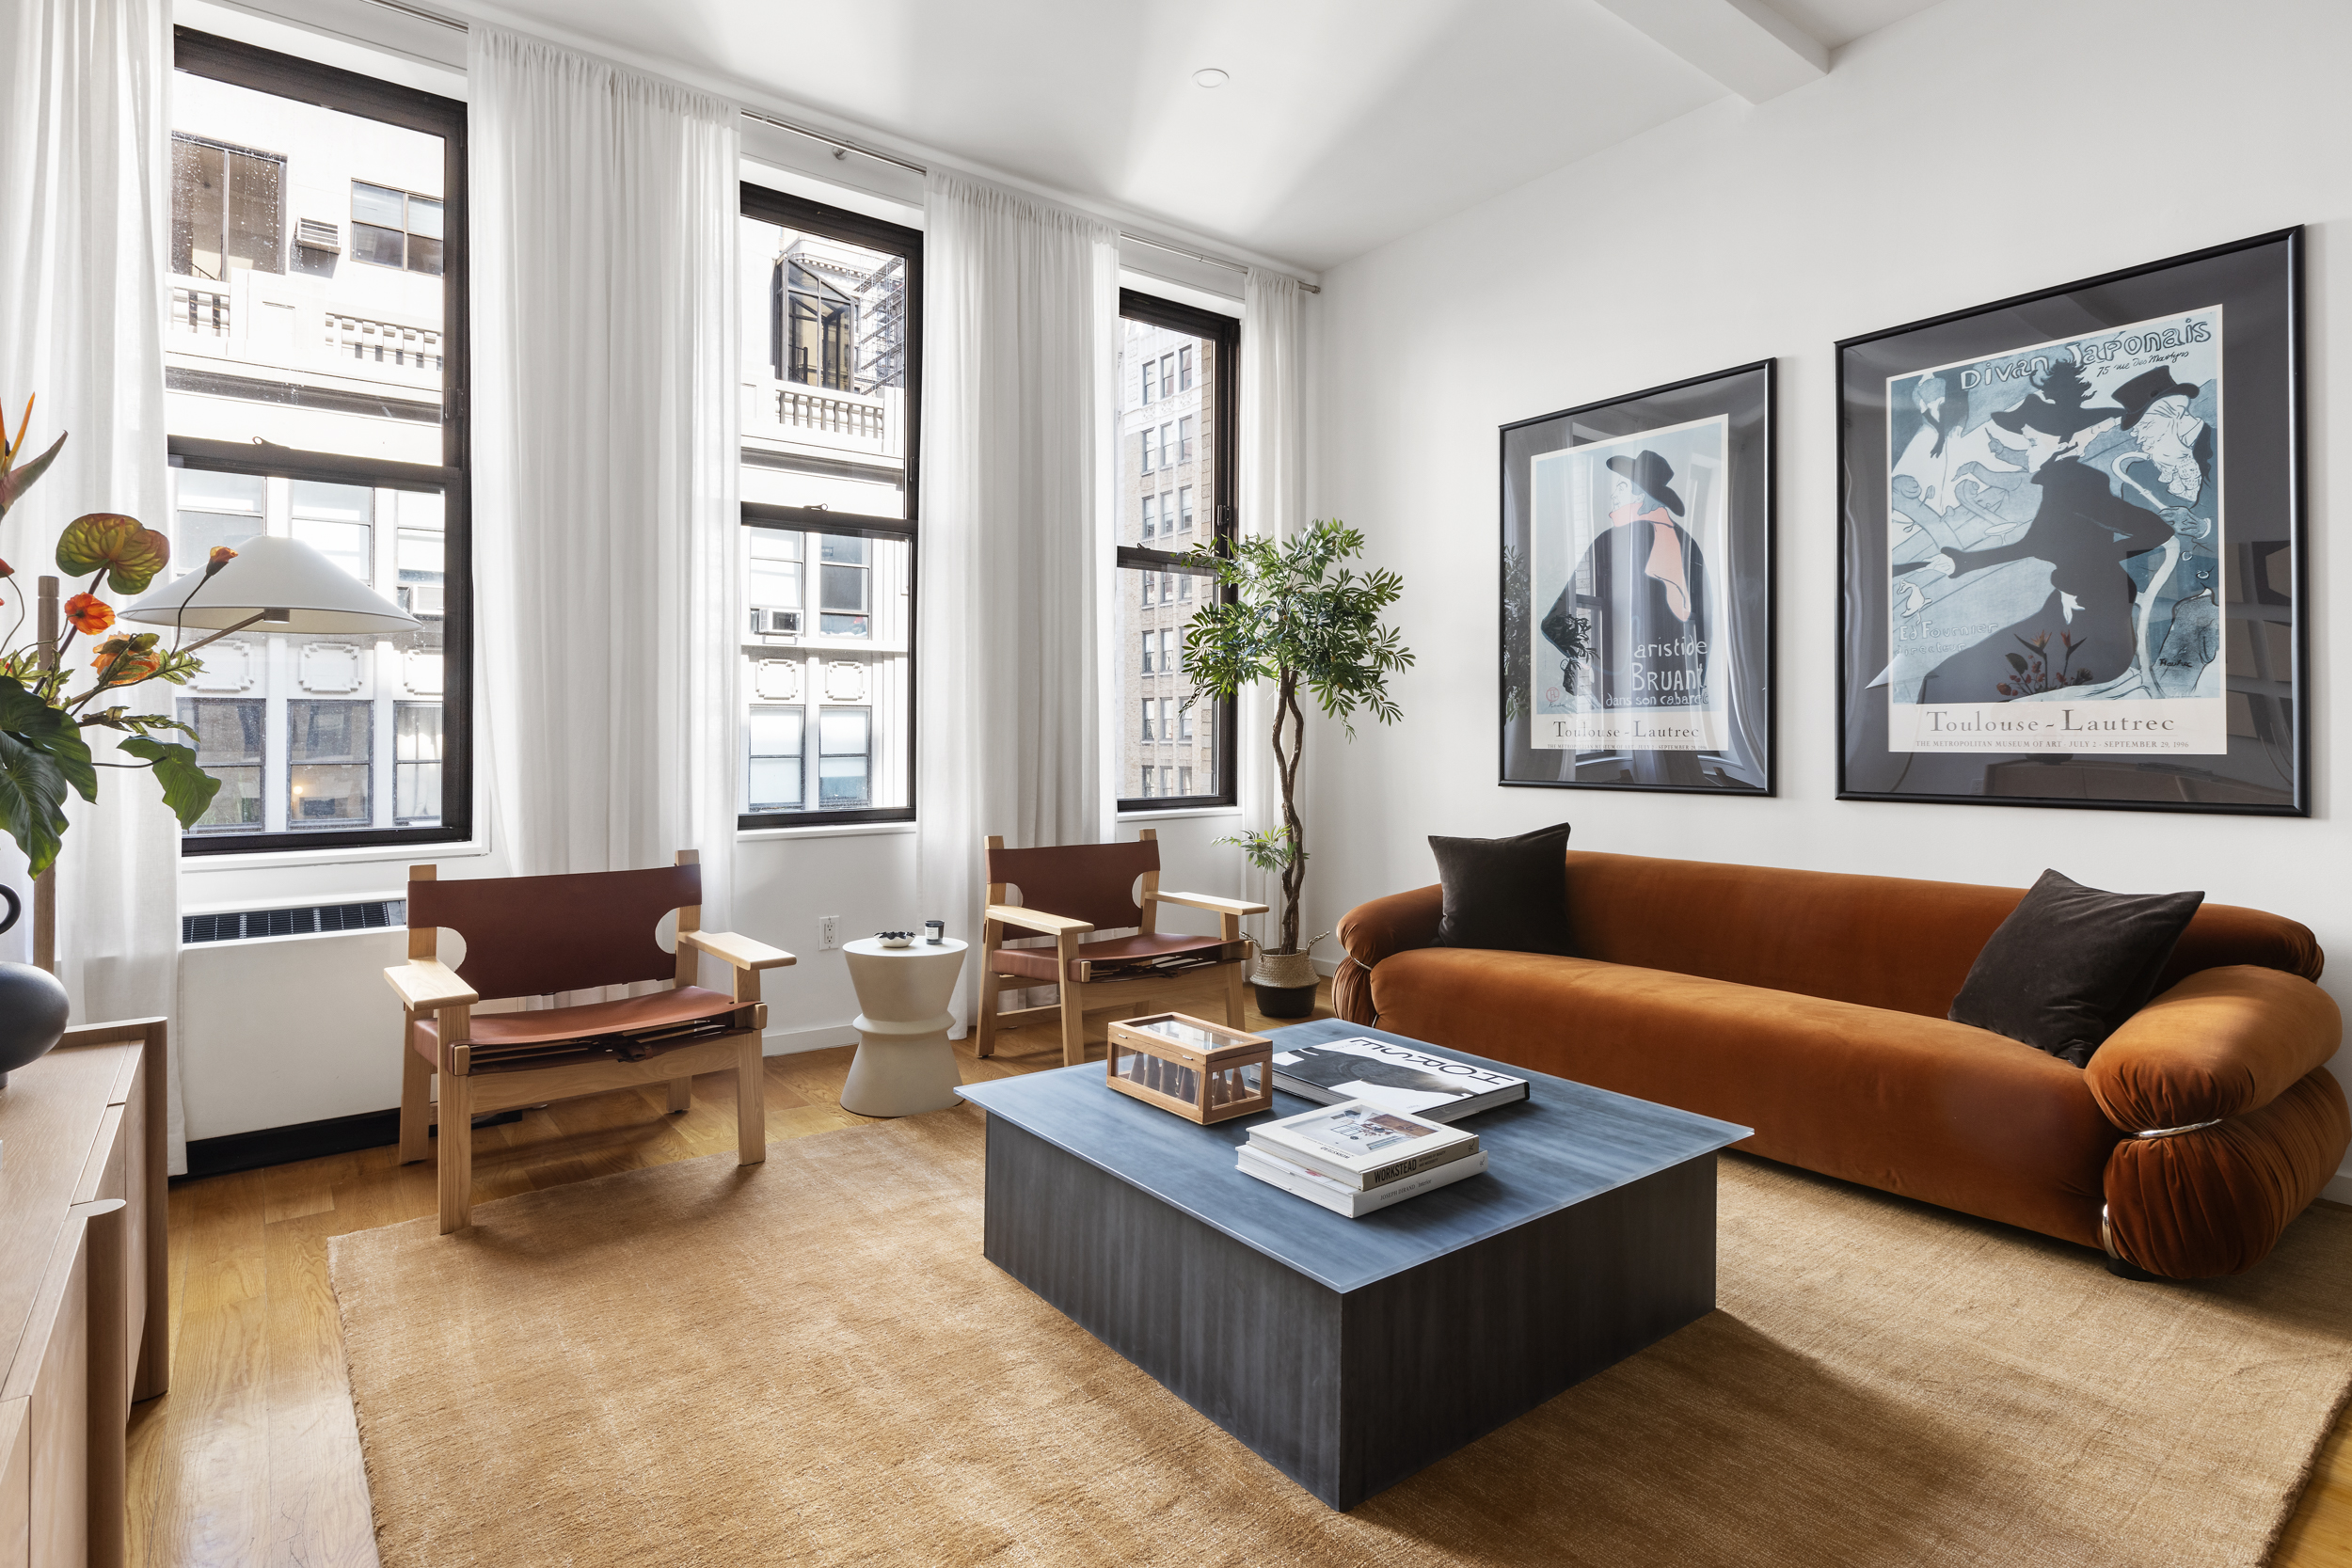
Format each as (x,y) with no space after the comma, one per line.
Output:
(2214,1202)
(2222,1043)
(1396,923)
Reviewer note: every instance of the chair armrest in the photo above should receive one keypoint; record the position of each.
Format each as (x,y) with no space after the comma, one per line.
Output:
(2222,1043)
(740,951)
(423,984)
(1396,923)
(1037,920)
(1207,901)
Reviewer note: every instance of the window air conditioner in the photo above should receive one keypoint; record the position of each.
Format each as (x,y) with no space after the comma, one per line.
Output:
(776,623)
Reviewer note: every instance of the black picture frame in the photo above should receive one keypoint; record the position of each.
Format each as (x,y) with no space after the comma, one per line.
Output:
(1700,716)
(2176,586)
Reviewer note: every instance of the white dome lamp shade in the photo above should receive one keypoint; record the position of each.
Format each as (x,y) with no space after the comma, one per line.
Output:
(276,585)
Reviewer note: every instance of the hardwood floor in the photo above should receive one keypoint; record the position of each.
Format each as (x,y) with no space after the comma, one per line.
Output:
(253,1459)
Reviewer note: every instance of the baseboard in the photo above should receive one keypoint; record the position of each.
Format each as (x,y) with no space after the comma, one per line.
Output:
(311,1140)
(824,1036)
(281,1145)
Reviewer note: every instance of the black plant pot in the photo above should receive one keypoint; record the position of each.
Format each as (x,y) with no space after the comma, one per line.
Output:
(1285,1001)
(33,1011)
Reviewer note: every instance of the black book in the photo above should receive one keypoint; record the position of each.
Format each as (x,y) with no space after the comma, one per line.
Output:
(1394,1077)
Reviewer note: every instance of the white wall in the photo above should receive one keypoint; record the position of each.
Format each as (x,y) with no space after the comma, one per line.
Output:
(1981,149)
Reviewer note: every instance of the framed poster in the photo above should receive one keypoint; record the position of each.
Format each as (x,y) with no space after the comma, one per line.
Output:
(1637,591)
(2070,549)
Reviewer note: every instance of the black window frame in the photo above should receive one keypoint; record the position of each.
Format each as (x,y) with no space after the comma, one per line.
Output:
(350,92)
(782,208)
(1222,403)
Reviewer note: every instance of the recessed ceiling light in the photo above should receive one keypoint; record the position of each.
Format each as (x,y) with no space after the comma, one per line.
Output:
(1211,77)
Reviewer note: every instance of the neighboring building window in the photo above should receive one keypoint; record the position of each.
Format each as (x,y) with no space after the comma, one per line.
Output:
(314,381)
(829,364)
(228,740)
(416,763)
(395,228)
(773,741)
(845,758)
(330,747)
(225,210)
(1150,376)
(1178,352)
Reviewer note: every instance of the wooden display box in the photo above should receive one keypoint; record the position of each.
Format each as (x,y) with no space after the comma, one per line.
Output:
(1203,1071)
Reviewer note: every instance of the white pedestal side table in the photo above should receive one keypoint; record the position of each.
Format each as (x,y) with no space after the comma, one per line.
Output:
(904,1064)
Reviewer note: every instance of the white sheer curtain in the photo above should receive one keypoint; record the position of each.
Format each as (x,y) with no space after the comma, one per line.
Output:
(84,126)
(1020,300)
(1273,503)
(606,431)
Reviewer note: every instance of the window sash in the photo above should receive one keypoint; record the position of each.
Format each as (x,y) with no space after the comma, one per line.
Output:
(308,82)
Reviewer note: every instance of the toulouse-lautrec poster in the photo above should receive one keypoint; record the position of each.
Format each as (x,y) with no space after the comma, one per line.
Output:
(2055,541)
(1627,570)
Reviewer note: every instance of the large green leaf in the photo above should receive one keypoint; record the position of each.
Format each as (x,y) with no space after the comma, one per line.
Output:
(15,480)
(188,791)
(41,756)
(129,553)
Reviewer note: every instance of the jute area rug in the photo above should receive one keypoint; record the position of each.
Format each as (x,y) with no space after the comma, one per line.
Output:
(809,1361)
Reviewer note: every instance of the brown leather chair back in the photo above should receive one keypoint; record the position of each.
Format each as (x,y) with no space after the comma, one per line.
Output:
(1094,882)
(531,936)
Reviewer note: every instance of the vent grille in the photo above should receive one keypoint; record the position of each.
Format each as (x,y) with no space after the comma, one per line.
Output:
(241,924)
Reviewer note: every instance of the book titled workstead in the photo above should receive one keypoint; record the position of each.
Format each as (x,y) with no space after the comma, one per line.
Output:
(1361,1146)
(1394,1077)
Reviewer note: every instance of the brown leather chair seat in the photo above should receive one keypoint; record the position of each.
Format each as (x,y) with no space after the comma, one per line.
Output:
(661,1009)
(1040,961)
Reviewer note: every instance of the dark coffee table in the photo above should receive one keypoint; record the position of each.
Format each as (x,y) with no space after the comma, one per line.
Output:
(1351,1353)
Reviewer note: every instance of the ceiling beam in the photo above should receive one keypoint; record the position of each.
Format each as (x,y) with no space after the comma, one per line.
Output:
(1744,44)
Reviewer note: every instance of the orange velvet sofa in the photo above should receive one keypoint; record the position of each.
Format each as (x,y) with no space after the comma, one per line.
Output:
(1810,1005)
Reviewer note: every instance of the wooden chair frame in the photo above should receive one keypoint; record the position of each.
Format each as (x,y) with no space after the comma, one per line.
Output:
(430,989)
(1069,934)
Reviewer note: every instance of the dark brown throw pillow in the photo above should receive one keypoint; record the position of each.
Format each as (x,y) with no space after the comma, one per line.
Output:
(2070,964)
(1506,893)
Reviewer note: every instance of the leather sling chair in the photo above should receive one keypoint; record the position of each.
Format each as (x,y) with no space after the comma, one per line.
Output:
(537,936)
(1070,891)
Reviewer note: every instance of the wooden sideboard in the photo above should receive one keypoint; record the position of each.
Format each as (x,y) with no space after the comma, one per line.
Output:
(84,1327)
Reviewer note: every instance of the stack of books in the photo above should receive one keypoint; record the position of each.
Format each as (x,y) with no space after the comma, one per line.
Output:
(1356,1158)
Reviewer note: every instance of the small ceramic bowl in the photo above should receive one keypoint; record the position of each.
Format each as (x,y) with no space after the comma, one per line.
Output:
(894,939)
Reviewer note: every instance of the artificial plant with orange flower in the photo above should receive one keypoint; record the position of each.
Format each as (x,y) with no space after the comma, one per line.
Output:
(42,753)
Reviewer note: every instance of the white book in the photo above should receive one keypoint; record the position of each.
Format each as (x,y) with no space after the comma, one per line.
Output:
(1393,1075)
(1360,1144)
(1342,1200)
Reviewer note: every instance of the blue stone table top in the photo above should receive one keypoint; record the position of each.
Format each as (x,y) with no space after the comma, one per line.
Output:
(1564,1143)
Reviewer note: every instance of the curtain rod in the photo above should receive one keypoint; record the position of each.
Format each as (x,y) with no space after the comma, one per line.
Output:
(761,117)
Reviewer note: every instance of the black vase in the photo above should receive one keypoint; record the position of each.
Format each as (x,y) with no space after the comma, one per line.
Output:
(33,1007)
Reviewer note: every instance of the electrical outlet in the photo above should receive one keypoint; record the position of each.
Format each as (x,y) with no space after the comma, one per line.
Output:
(828,932)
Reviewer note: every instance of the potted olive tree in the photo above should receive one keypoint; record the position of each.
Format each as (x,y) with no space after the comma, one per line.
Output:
(1298,618)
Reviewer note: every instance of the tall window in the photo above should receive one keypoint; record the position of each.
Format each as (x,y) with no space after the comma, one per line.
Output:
(314,376)
(831,367)
(1177,439)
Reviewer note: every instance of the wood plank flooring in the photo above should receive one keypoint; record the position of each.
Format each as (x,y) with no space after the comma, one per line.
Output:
(253,1459)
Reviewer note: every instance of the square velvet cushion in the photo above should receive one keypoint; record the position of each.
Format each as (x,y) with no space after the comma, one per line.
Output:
(1506,893)
(2070,964)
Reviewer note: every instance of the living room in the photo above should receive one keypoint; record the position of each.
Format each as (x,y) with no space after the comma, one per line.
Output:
(688,577)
